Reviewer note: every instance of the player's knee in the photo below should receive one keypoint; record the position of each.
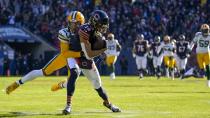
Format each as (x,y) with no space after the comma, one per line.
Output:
(46,71)
(71,81)
(96,84)
(73,74)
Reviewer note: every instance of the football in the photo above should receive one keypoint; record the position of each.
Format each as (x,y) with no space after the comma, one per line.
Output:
(99,44)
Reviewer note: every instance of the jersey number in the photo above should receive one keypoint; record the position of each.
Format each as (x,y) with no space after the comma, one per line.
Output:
(203,43)
(112,47)
(140,48)
(181,49)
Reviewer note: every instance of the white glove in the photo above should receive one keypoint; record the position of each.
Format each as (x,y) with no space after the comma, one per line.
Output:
(134,55)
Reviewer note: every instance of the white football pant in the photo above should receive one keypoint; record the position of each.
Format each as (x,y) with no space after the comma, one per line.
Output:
(181,63)
(92,74)
(155,61)
(141,62)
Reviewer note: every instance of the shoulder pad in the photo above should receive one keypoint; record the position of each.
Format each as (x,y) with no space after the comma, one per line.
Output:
(86,28)
(198,33)
(63,34)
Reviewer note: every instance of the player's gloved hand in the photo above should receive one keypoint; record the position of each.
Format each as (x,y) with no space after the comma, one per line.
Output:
(82,54)
(103,56)
(134,55)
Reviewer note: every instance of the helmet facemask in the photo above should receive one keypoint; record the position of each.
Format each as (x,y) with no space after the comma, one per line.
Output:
(110,37)
(74,25)
(205,32)
(205,29)
(166,39)
(100,21)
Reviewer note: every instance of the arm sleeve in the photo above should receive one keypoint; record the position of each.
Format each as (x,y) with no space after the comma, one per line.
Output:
(62,36)
(64,46)
(64,50)
(195,39)
(159,48)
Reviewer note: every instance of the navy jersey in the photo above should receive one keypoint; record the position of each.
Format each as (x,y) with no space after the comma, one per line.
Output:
(140,47)
(87,32)
(154,48)
(182,49)
(66,36)
(74,43)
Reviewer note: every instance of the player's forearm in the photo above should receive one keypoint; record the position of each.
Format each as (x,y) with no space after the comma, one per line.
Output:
(191,45)
(94,53)
(89,53)
(119,48)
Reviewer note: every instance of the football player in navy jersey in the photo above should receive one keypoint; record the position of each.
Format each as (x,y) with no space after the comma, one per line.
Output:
(90,35)
(182,53)
(140,51)
(155,55)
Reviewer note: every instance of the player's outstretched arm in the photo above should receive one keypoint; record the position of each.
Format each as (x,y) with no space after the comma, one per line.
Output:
(86,46)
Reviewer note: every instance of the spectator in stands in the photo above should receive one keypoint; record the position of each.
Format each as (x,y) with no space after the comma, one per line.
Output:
(12,67)
(150,17)
(127,17)
(19,64)
(6,66)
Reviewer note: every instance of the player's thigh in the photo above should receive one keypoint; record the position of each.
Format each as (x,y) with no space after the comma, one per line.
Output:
(183,63)
(175,63)
(138,62)
(114,59)
(111,60)
(166,60)
(72,63)
(93,76)
(56,63)
(178,62)
(171,62)
(200,60)
(207,58)
(160,60)
(155,61)
(144,62)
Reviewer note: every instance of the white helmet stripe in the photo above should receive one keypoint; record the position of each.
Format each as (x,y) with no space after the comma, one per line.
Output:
(74,15)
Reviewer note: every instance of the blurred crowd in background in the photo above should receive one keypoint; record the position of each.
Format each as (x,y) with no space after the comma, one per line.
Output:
(127,17)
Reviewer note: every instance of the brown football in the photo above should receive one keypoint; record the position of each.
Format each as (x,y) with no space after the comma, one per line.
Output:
(99,44)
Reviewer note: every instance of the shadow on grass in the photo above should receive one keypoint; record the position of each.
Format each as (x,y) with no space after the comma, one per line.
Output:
(100,112)
(134,86)
(179,92)
(21,114)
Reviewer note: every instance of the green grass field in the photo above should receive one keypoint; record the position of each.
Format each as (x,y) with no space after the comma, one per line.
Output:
(147,98)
